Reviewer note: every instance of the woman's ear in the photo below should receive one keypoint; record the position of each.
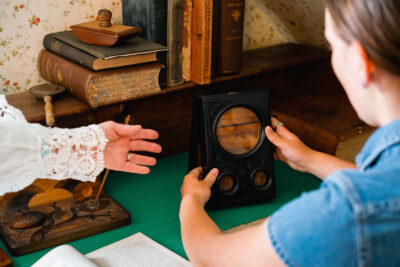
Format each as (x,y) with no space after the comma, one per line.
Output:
(363,62)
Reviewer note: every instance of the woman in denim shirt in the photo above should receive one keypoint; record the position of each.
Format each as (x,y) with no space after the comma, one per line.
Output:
(353,219)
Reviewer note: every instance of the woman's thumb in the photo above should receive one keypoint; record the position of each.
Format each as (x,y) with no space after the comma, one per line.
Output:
(211,177)
(273,137)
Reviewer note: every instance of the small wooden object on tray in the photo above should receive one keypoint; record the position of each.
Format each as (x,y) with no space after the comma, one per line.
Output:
(51,212)
(102,32)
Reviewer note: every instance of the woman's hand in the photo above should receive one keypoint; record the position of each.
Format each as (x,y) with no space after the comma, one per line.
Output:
(199,190)
(125,138)
(288,147)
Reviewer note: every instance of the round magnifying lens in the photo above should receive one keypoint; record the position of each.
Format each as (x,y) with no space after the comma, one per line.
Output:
(238,130)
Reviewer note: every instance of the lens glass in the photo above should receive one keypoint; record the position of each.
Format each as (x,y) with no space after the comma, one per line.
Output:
(238,130)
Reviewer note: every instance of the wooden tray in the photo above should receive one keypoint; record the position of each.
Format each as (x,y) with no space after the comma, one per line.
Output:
(92,33)
(65,217)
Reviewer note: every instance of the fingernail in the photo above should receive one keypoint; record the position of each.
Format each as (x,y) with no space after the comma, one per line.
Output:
(214,171)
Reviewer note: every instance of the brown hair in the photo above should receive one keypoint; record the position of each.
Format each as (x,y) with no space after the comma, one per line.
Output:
(375,24)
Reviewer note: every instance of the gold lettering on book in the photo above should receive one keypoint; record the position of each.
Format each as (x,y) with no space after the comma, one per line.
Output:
(236,14)
(207,54)
(233,38)
(236,4)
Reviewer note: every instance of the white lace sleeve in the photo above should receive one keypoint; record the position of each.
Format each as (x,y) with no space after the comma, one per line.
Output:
(29,151)
(9,112)
(72,153)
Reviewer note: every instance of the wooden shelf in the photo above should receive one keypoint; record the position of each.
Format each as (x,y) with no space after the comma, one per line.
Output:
(169,112)
(254,62)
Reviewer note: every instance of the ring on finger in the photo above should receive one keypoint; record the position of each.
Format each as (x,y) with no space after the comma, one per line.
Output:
(128,157)
(279,124)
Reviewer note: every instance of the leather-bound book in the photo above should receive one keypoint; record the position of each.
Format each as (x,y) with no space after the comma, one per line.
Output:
(230,36)
(151,17)
(215,38)
(201,41)
(174,42)
(101,87)
(132,52)
(187,40)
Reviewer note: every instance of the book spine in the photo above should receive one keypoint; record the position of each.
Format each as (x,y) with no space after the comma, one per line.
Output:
(215,37)
(58,70)
(151,16)
(159,22)
(136,13)
(158,26)
(102,87)
(69,52)
(201,41)
(187,39)
(174,35)
(230,36)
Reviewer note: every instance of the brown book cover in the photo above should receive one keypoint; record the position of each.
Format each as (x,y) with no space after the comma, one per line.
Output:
(323,119)
(84,58)
(201,41)
(174,42)
(187,39)
(102,87)
(230,36)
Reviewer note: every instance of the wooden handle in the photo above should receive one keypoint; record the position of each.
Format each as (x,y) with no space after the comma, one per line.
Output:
(48,108)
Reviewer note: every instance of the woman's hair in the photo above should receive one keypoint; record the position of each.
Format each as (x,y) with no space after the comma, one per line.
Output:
(375,24)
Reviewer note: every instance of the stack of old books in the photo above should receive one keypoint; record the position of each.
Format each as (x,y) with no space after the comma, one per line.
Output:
(101,75)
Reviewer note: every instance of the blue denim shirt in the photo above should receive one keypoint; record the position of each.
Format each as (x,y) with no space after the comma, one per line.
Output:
(353,219)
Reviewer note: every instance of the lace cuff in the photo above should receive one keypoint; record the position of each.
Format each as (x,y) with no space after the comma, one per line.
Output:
(9,112)
(73,153)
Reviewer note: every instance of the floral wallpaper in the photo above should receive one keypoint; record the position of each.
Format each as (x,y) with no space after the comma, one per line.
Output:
(24,23)
(270,22)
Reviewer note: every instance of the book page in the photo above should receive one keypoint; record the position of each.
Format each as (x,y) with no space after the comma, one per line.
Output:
(64,256)
(136,251)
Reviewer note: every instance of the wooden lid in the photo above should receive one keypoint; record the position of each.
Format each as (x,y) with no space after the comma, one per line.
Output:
(92,33)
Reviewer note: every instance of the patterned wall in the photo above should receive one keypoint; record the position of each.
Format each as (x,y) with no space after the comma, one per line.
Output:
(270,22)
(24,23)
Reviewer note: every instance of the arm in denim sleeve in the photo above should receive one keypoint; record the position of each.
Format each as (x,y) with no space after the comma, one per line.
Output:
(316,229)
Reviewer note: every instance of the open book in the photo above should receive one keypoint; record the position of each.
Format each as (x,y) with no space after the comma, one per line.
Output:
(134,251)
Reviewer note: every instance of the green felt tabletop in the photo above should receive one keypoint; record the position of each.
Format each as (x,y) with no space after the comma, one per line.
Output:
(153,202)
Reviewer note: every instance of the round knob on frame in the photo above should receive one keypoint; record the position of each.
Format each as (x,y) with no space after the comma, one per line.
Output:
(104,17)
(261,179)
(227,184)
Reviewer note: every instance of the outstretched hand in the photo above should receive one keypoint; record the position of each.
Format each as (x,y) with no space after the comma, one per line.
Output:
(200,190)
(125,138)
(288,147)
